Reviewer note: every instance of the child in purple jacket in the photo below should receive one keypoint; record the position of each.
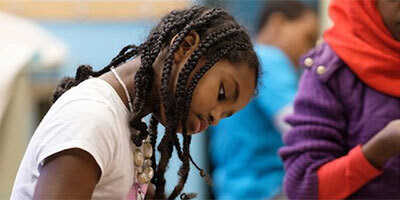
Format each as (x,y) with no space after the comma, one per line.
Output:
(345,140)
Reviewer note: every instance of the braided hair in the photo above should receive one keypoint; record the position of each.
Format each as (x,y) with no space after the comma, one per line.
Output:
(221,37)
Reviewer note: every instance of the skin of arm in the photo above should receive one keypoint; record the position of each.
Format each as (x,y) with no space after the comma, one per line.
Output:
(70,174)
(384,145)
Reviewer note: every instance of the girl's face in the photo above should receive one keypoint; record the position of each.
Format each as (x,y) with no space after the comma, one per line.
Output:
(390,12)
(224,89)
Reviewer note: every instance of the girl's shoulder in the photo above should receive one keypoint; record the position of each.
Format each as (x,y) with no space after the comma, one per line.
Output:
(93,95)
(327,73)
(84,117)
(90,104)
(323,64)
(322,61)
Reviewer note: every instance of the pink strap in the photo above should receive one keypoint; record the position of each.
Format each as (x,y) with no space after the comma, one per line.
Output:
(132,193)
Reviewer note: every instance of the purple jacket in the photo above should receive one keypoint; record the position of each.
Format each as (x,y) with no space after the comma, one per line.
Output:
(335,111)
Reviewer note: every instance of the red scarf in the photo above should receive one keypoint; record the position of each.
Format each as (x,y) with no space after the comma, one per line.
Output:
(363,42)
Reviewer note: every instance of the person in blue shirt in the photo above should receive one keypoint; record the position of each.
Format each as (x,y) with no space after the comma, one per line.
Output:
(243,148)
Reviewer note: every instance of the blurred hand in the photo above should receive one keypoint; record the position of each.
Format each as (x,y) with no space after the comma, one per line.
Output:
(384,145)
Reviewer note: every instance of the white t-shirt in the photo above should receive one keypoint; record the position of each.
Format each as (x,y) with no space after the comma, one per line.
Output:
(91,117)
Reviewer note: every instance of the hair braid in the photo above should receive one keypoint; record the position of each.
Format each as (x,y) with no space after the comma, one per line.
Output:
(187,139)
(123,56)
(165,147)
(213,38)
(169,103)
(179,38)
(147,61)
(163,162)
(153,139)
(183,174)
(210,40)
(85,71)
(82,73)
(183,76)
(65,84)
(191,64)
(220,54)
(166,152)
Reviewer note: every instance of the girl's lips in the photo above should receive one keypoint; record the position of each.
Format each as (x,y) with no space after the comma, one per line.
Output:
(197,125)
(203,125)
(200,125)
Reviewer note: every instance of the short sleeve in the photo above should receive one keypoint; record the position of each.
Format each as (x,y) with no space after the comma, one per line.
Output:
(82,124)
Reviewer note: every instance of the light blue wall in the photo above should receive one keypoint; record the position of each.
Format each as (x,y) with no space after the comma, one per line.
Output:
(96,43)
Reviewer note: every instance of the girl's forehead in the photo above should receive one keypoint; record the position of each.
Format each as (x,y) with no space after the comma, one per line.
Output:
(241,74)
(241,69)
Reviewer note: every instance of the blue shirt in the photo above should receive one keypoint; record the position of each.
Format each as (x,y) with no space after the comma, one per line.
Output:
(244,147)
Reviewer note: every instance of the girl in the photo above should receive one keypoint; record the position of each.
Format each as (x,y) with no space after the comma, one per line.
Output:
(346,137)
(196,67)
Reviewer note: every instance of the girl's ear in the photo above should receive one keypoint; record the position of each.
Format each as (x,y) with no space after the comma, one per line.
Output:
(187,47)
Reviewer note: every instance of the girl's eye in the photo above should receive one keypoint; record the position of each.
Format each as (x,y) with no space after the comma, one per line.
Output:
(221,93)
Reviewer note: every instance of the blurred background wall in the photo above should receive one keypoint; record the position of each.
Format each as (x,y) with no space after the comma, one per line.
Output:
(42,41)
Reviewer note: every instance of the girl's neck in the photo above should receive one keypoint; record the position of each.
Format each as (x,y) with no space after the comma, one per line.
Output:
(127,72)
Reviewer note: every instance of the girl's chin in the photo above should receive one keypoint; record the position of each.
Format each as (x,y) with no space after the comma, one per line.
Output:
(188,132)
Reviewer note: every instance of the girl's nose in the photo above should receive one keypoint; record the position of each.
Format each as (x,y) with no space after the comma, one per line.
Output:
(214,118)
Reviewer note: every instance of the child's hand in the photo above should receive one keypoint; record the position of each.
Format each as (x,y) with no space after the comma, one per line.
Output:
(384,145)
